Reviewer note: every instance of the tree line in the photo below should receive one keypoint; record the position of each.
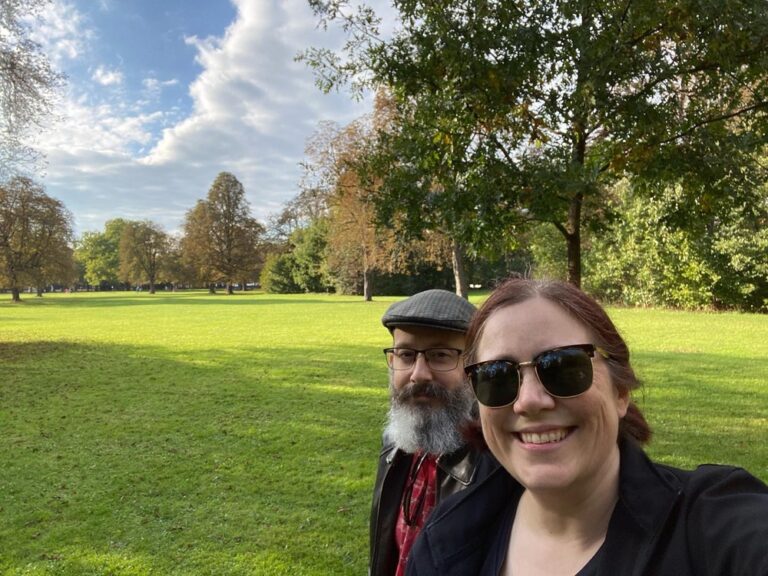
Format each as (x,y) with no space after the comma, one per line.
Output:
(220,244)
(646,250)
(328,239)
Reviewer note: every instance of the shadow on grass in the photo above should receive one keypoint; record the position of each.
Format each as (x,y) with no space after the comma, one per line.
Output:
(121,299)
(110,451)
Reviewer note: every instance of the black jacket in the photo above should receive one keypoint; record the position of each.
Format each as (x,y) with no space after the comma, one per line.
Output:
(454,473)
(712,521)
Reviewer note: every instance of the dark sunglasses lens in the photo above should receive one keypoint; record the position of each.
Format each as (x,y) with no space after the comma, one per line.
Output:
(566,372)
(495,383)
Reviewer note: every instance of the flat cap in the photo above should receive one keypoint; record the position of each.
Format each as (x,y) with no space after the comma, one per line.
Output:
(433,309)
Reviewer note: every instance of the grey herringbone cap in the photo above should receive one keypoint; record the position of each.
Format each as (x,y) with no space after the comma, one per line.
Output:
(433,308)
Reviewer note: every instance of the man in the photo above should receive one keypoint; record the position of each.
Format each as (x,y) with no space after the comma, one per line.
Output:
(425,457)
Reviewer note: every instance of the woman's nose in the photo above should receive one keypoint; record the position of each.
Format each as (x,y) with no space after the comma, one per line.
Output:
(532,396)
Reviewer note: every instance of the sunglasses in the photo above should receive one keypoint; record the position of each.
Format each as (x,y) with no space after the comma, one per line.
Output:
(564,372)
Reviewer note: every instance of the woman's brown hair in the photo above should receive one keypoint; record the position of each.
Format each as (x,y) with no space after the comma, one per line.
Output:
(587,311)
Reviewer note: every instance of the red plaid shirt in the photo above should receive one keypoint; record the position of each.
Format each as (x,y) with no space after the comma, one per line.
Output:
(419,498)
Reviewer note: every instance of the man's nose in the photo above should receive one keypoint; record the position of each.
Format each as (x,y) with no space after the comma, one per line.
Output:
(421,371)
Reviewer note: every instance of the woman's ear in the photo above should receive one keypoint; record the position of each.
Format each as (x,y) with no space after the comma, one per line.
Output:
(623,398)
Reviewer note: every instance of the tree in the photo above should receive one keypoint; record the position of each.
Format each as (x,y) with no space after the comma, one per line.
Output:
(175,268)
(309,265)
(143,248)
(655,261)
(221,239)
(35,233)
(99,253)
(277,275)
(426,182)
(58,267)
(536,109)
(28,84)
(353,238)
(196,253)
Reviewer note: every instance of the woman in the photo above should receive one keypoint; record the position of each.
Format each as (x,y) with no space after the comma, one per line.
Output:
(576,493)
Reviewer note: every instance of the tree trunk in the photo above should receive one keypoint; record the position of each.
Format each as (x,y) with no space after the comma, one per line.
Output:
(230,290)
(573,240)
(459,273)
(367,285)
(212,288)
(151,286)
(15,295)
(39,291)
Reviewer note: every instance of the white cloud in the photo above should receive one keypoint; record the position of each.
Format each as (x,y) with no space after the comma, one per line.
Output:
(253,108)
(107,77)
(154,86)
(252,95)
(62,32)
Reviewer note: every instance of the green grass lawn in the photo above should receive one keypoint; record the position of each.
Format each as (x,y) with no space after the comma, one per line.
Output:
(189,434)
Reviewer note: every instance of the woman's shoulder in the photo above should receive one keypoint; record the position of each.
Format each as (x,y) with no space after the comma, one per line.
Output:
(715,478)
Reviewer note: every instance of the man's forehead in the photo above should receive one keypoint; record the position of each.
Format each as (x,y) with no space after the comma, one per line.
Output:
(425,337)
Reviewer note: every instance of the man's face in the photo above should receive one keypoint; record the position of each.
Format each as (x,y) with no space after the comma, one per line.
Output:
(421,373)
(428,407)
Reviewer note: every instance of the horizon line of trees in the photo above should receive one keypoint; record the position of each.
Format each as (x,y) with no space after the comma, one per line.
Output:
(328,240)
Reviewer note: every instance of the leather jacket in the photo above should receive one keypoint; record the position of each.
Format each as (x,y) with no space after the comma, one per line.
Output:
(455,472)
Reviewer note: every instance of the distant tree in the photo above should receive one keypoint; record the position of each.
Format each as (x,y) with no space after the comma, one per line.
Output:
(175,269)
(221,238)
(309,268)
(352,235)
(35,236)
(277,274)
(309,205)
(537,109)
(59,267)
(28,84)
(99,253)
(196,251)
(143,249)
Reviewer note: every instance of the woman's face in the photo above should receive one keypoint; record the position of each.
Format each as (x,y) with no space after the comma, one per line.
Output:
(550,443)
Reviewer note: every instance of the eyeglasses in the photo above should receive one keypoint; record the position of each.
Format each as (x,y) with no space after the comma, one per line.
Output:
(564,372)
(438,359)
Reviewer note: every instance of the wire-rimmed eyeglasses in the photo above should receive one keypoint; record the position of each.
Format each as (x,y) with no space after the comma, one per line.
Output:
(438,359)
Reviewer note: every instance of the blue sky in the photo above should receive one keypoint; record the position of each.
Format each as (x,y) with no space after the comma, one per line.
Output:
(162,95)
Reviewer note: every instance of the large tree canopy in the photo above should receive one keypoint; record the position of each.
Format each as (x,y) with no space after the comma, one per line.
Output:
(144,247)
(35,237)
(99,253)
(28,84)
(221,238)
(524,110)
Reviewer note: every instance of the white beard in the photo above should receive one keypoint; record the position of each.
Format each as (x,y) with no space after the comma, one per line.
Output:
(415,427)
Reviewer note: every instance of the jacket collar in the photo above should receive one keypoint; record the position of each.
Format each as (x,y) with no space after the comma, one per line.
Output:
(647,496)
(460,465)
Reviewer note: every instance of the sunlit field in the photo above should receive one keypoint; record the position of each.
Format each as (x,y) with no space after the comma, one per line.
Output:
(196,434)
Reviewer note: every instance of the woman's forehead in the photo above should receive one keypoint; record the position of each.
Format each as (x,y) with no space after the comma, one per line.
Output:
(529,327)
